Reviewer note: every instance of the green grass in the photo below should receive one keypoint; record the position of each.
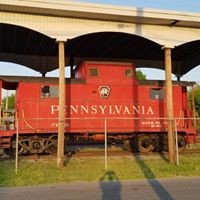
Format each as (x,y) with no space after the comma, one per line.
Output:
(92,169)
(194,146)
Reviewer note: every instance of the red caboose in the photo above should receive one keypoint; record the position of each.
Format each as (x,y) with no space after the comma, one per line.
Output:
(134,110)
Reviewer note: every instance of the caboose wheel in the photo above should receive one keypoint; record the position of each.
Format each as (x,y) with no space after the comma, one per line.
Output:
(52,150)
(144,143)
(49,145)
(181,143)
(129,145)
(21,149)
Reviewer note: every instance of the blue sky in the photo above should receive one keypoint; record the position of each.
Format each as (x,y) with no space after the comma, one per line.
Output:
(179,5)
(182,5)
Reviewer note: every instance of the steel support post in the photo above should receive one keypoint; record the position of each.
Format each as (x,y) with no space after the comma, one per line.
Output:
(171,136)
(61,117)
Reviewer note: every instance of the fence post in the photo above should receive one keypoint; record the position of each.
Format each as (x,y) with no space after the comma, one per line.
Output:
(16,145)
(176,138)
(106,149)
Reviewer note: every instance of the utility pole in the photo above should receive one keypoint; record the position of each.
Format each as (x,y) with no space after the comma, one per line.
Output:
(61,117)
(170,124)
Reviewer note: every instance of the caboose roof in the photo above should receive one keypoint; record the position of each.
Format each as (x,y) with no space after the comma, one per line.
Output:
(10,82)
(13,80)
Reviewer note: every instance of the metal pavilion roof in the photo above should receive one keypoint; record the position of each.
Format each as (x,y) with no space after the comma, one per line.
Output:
(29,48)
(77,9)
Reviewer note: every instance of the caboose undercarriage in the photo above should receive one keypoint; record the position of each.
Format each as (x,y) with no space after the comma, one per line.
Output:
(47,143)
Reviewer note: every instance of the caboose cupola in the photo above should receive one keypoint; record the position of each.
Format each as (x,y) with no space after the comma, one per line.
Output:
(106,72)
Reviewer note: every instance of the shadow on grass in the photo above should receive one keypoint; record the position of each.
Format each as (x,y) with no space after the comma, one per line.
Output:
(110,186)
(159,190)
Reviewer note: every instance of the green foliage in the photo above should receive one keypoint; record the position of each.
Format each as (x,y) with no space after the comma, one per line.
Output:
(196,99)
(140,76)
(11,101)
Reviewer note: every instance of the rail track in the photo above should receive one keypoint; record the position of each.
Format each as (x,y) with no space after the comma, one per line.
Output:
(111,153)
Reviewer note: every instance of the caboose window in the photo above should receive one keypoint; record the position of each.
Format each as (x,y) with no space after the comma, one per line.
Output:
(156,93)
(45,93)
(49,91)
(93,72)
(128,73)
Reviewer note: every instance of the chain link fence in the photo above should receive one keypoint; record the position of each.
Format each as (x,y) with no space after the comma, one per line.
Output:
(99,135)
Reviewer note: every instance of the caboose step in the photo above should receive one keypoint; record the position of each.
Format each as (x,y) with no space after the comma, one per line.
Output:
(191,131)
(5,142)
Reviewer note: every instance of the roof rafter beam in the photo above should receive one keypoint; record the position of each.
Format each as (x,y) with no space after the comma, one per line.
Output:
(27,41)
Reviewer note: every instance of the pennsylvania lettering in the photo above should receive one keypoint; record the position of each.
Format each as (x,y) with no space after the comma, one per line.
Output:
(104,110)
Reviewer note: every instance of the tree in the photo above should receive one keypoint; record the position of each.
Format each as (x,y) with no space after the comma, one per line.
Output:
(140,76)
(11,101)
(196,98)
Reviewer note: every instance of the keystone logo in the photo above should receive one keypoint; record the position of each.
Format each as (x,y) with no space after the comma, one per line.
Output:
(104,92)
